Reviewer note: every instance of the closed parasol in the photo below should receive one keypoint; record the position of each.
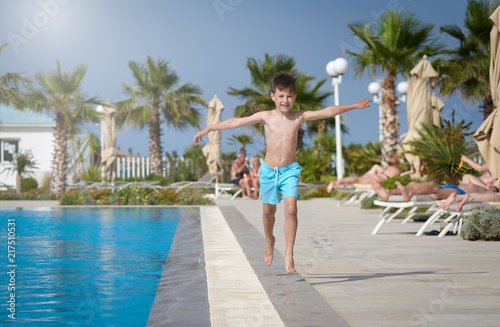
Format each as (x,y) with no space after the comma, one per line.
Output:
(487,136)
(212,151)
(419,105)
(109,135)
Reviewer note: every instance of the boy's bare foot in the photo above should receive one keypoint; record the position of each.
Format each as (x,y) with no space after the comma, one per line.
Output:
(464,201)
(289,264)
(449,201)
(382,192)
(406,194)
(269,255)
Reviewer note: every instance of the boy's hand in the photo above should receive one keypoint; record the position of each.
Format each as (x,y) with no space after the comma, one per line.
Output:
(362,104)
(198,137)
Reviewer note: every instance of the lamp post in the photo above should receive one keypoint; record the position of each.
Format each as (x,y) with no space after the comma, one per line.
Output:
(375,88)
(336,68)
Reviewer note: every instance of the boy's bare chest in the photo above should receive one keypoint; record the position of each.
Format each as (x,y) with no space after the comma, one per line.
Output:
(279,128)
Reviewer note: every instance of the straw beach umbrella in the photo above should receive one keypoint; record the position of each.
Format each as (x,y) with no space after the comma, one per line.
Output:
(488,135)
(109,136)
(419,105)
(212,151)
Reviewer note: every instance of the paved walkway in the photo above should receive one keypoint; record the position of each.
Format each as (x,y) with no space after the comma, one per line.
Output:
(393,278)
(390,279)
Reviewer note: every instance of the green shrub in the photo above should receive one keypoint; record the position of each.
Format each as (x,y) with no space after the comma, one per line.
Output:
(368,202)
(483,225)
(29,183)
(390,183)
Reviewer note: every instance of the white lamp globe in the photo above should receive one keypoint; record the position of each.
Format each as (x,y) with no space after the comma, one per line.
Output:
(402,87)
(330,69)
(99,108)
(374,88)
(341,65)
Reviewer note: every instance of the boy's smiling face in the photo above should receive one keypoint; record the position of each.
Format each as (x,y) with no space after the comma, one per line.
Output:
(284,100)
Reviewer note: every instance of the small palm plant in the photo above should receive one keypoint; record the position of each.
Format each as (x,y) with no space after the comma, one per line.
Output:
(242,139)
(441,148)
(197,161)
(93,173)
(23,163)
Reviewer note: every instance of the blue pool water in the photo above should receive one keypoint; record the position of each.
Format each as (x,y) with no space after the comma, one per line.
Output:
(85,266)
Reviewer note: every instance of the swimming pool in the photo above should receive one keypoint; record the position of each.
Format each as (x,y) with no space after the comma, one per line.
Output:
(86,266)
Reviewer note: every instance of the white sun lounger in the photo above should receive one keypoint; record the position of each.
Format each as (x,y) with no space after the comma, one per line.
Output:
(396,202)
(453,220)
(358,192)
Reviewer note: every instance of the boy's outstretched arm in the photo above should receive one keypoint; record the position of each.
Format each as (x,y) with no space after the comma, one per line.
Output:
(230,124)
(335,110)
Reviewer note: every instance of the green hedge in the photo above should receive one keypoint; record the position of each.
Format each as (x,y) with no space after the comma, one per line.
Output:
(135,196)
(483,224)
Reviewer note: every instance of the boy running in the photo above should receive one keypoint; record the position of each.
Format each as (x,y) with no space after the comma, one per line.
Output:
(280,170)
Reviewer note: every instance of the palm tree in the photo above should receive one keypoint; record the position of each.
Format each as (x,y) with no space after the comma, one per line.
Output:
(10,84)
(156,97)
(60,94)
(241,139)
(23,163)
(441,149)
(467,70)
(256,97)
(393,45)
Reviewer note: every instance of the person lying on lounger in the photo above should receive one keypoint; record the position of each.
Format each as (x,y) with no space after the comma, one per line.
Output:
(441,192)
(486,176)
(375,174)
(464,199)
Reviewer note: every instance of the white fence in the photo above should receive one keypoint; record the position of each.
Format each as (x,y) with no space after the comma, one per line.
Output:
(138,167)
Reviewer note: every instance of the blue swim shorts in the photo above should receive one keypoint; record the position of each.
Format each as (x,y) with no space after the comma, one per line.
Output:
(460,191)
(274,180)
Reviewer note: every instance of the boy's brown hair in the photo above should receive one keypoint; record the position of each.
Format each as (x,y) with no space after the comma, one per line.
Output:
(284,81)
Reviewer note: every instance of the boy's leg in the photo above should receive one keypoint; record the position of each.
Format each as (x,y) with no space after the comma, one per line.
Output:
(269,211)
(291,223)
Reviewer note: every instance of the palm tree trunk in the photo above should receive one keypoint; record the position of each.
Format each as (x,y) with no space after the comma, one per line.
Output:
(391,120)
(487,105)
(19,183)
(59,165)
(155,146)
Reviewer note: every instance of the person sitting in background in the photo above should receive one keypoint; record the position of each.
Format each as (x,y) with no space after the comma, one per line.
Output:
(375,174)
(238,169)
(254,176)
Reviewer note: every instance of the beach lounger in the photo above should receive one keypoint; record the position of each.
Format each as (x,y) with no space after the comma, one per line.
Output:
(358,192)
(396,202)
(206,181)
(454,220)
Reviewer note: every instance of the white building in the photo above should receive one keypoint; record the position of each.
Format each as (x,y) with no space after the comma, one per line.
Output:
(25,130)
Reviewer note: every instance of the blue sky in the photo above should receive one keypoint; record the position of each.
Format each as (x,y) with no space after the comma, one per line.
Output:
(205,46)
